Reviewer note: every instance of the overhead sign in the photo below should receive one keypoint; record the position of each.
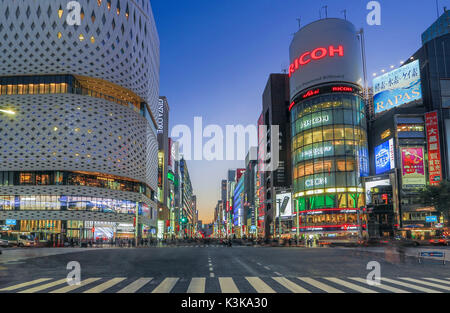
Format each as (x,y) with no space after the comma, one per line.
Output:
(11,222)
(325,51)
(431,219)
(434,148)
(284,205)
(413,167)
(397,87)
(384,157)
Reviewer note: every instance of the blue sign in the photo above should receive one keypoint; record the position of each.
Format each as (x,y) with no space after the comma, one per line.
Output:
(431,219)
(11,222)
(397,87)
(435,254)
(382,158)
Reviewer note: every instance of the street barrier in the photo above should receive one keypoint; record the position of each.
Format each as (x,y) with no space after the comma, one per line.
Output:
(434,255)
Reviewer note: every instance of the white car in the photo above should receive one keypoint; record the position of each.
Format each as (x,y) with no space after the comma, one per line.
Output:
(4,243)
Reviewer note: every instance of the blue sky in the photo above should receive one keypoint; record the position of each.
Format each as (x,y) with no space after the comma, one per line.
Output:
(216,57)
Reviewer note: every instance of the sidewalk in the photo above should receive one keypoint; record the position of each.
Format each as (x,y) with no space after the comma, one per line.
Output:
(21,254)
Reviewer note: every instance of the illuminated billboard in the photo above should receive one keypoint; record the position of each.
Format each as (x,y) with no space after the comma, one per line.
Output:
(325,51)
(413,167)
(397,87)
(434,149)
(384,157)
(284,205)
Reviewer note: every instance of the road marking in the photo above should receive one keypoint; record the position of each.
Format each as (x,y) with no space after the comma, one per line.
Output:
(211,274)
(267,268)
(259,285)
(106,285)
(197,285)
(33,282)
(74,287)
(259,264)
(45,286)
(384,287)
(439,280)
(426,283)
(276,273)
(136,285)
(290,285)
(320,285)
(227,285)
(427,290)
(350,285)
(166,285)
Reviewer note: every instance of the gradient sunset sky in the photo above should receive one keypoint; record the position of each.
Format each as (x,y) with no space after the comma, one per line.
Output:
(216,57)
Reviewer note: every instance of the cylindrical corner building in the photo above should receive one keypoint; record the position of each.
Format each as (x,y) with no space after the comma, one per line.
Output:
(329,139)
(79,152)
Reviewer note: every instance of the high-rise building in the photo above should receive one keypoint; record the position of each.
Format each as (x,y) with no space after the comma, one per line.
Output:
(79,156)
(187,207)
(164,154)
(275,112)
(409,139)
(329,137)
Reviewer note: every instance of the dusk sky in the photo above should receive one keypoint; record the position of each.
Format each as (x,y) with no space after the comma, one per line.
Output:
(216,57)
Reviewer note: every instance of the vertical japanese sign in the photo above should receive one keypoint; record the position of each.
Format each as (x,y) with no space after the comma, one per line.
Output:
(413,167)
(434,149)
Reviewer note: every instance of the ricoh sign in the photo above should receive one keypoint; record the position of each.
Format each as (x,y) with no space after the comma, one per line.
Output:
(325,51)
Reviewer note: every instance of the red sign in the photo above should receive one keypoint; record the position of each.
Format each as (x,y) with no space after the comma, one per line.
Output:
(434,148)
(315,55)
(239,173)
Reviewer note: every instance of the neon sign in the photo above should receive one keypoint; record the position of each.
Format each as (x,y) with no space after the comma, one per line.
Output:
(322,90)
(315,55)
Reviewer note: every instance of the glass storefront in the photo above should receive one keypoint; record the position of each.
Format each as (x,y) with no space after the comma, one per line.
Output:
(74,203)
(330,155)
(74,179)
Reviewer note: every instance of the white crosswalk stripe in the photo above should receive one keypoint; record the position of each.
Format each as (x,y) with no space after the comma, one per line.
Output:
(135,286)
(106,285)
(438,280)
(75,287)
(197,285)
(411,286)
(45,286)
(381,286)
(274,284)
(30,283)
(259,285)
(227,285)
(349,285)
(290,285)
(320,285)
(166,285)
(434,285)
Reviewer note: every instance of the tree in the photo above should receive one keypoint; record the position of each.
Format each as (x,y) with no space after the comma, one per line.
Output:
(439,197)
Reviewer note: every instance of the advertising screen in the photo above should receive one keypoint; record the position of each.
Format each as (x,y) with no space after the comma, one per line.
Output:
(397,87)
(434,148)
(371,184)
(384,157)
(325,51)
(413,167)
(284,205)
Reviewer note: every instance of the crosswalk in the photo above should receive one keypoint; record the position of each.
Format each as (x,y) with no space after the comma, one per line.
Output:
(203,246)
(277,284)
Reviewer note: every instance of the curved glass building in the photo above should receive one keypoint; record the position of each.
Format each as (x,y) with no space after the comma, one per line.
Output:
(77,109)
(329,130)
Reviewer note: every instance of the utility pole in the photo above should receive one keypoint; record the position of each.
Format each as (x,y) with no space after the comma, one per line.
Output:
(345,14)
(326,10)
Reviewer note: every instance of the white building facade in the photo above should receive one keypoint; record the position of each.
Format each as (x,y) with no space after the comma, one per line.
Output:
(79,150)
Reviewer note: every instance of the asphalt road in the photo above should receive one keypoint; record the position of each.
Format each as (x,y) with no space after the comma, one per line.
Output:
(218,269)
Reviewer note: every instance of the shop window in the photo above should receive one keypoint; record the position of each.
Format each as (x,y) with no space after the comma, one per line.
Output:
(27,179)
(328,133)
